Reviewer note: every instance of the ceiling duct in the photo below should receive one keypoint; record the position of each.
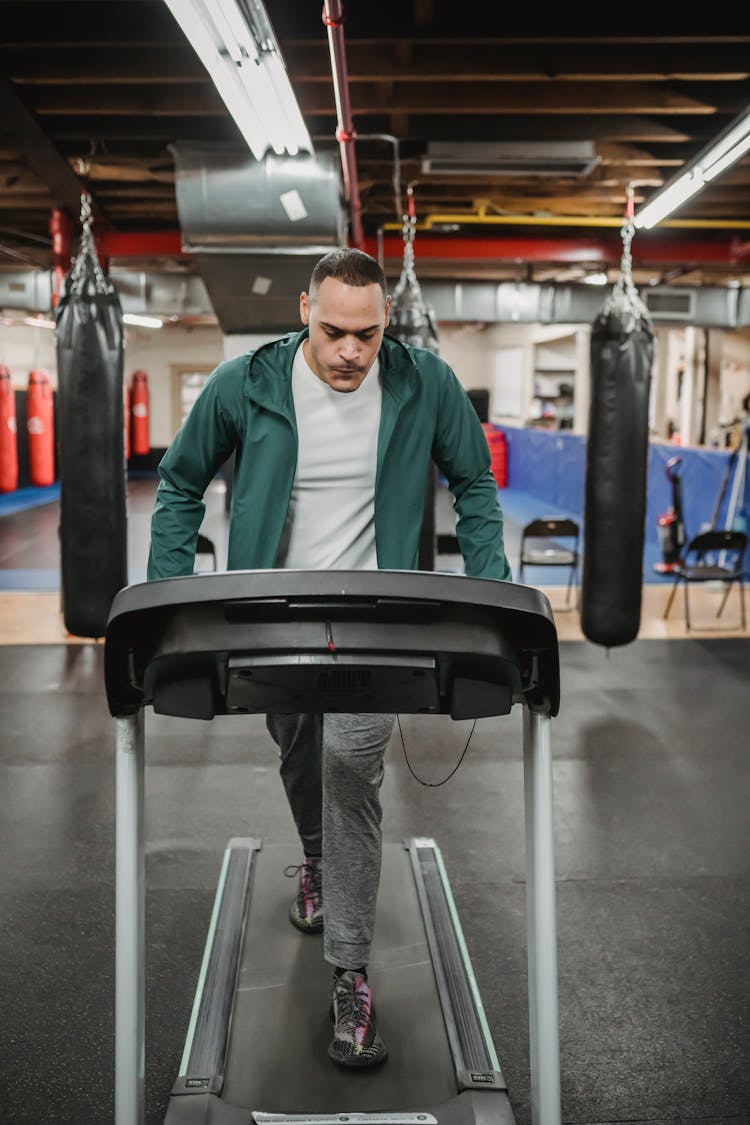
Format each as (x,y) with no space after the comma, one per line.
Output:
(714,306)
(256,229)
(184,296)
(510,158)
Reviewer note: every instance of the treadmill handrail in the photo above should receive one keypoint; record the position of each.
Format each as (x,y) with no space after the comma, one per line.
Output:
(146,616)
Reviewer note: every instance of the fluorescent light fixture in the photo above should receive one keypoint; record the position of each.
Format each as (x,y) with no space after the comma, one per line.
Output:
(729,146)
(235,42)
(142,321)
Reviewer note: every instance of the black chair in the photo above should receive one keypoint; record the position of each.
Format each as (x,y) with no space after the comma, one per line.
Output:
(550,541)
(712,556)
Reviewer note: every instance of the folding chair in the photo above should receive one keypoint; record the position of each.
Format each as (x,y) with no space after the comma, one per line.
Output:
(712,556)
(550,541)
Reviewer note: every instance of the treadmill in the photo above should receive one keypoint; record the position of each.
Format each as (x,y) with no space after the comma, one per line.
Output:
(285,641)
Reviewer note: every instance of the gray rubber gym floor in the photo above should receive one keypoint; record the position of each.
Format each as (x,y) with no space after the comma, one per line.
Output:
(652,792)
(651,803)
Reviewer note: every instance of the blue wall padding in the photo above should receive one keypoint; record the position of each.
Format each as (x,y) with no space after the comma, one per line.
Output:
(551,467)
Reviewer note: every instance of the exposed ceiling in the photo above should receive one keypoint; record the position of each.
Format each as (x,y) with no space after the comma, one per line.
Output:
(92,94)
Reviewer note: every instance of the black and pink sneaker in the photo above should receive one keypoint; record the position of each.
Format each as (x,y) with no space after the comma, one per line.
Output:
(306,912)
(356,1041)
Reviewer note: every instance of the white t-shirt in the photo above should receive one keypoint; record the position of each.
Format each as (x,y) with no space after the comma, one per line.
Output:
(331,520)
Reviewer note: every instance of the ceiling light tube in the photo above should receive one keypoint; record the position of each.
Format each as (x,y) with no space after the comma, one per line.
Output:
(224,75)
(235,42)
(257,85)
(727,159)
(735,132)
(227,12)
(728,147)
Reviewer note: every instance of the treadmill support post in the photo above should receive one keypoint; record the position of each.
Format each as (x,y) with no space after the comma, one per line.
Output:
(130,1008)
(544,1042)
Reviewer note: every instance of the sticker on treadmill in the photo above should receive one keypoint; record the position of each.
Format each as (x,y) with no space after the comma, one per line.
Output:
(343,1118)
(486,1078)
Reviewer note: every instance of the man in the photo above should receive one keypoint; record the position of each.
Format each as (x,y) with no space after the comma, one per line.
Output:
(333,429)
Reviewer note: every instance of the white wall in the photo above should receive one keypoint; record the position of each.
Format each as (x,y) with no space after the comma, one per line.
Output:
(23,348)
(156,351)
(147,349)
(469,348)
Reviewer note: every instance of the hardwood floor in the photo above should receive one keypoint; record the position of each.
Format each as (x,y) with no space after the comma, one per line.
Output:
(31,612)
(36,617)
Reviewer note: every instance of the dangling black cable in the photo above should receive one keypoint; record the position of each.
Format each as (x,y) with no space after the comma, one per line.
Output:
(434,784)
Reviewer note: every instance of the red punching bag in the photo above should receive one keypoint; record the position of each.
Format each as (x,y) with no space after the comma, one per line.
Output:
(8,439)
(498,446)
(140,440)
(40,426)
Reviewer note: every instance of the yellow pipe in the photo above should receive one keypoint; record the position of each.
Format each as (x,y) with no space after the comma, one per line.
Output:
(565,221)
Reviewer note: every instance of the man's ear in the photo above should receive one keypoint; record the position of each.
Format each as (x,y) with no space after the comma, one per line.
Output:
(304,308)
(387,311)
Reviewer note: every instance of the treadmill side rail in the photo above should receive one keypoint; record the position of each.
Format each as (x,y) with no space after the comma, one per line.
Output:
(474,1057)
(207,1040)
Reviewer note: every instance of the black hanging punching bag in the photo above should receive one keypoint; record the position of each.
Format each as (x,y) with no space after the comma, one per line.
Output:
(93,539)
(411,322)
(622,348)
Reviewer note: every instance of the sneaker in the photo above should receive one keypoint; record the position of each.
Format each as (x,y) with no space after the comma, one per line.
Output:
(356,1041)
(306,912)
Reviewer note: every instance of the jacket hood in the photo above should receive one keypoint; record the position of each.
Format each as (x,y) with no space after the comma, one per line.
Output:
(269,368)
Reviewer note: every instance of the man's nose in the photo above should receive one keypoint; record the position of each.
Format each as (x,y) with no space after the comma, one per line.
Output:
(350,345)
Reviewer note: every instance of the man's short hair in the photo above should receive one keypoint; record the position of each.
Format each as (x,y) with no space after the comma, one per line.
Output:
(351,266)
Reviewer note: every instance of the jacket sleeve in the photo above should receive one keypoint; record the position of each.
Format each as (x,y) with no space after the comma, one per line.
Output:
(461,453)
(201,446)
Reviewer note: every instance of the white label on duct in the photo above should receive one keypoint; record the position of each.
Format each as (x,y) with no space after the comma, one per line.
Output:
(260,285)
(292,203)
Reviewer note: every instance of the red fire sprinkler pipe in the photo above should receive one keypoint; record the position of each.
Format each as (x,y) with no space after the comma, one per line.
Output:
(333,18)
(60,228)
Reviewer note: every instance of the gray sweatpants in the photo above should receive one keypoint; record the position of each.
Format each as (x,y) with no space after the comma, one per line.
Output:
(332,770)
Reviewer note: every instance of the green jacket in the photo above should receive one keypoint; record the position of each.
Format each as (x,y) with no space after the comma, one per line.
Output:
(247,406)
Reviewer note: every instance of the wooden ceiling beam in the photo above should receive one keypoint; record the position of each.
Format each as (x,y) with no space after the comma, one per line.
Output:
(547,99)
(22,129)
(381,60)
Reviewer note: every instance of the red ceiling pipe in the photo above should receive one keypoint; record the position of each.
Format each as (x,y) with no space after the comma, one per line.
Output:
(168,244)
(333,18)
(137,244)
(452,248)
(60,228)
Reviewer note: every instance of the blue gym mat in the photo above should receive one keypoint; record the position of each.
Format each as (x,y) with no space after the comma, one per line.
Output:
(31,497)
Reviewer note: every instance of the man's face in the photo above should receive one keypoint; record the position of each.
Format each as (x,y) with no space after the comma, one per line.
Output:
(346,325)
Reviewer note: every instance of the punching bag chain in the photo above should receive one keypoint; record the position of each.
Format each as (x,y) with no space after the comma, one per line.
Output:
(87,255)
(624,297)
(409,229)
(410,319)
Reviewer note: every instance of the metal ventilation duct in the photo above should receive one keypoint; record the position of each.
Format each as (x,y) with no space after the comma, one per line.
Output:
(179,295)
(510,158)
(256,229)
(549,303)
